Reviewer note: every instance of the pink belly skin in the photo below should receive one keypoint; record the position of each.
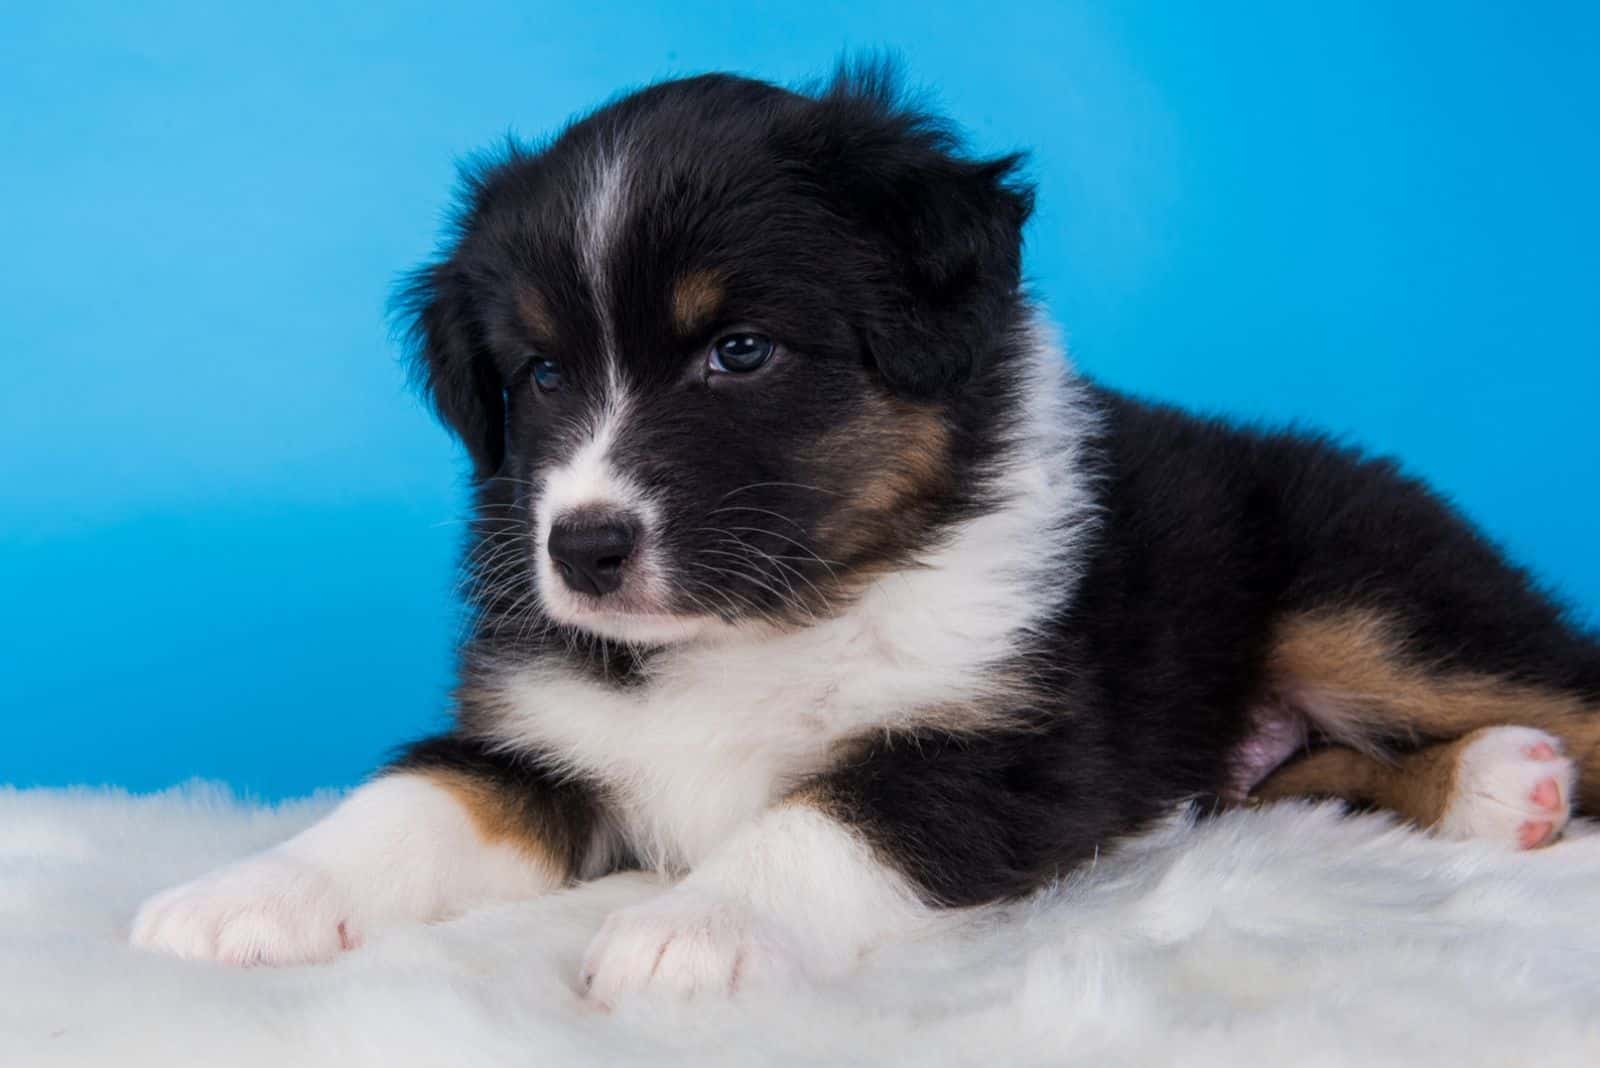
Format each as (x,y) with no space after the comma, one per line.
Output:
(1278,731)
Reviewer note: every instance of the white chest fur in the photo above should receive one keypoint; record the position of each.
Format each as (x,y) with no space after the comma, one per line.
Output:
(721,731)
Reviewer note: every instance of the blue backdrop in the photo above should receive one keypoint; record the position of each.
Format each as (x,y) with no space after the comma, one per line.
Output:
(227,530)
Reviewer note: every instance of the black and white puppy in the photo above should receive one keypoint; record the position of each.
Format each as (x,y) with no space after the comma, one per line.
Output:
(807,569)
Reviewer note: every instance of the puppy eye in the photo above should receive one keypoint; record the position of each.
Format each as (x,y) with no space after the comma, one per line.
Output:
(546,374)
(741,353)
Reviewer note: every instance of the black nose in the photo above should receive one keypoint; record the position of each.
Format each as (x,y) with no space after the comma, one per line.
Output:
(589,554)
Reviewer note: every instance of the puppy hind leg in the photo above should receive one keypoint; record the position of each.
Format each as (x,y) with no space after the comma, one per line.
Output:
(1511,784)
(1580,738)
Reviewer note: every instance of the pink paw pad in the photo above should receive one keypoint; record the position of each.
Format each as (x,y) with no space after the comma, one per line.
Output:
(1512,784)
(1547,795)
(1541,751)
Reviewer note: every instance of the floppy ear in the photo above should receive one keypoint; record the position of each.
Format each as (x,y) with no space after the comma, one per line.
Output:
(951,227)
(452,364)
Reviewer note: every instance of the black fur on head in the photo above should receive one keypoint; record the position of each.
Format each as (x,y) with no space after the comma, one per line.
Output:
(952,227)
(946,265)
(452,364)
(843,222)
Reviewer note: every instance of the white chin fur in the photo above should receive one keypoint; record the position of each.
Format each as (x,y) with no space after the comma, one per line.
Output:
(642,628)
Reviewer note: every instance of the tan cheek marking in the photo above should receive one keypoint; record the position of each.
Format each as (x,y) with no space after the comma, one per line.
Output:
(918,463)
(909,447)
(695,301)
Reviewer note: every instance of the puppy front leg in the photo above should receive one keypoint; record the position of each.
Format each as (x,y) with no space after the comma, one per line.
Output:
(905,824)
(797,894)
(448,827)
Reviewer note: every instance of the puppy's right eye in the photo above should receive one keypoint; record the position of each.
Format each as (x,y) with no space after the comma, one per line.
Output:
(742,352)
(546,374)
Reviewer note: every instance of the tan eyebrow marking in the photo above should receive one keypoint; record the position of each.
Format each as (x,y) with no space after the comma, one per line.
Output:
(695,301)
(536,315)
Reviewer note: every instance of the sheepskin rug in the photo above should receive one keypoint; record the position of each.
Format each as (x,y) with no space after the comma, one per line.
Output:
(1290,935)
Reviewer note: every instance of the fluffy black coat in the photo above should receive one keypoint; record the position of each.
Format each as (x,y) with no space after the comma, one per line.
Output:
(850,227)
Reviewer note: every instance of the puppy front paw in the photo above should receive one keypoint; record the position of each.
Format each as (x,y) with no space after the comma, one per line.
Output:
(270,909)
(686,943)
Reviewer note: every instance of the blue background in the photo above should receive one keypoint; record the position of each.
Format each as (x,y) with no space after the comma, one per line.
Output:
(227,530)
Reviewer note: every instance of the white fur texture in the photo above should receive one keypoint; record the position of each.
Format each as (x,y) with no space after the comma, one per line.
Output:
(1283,936)
(1503,788)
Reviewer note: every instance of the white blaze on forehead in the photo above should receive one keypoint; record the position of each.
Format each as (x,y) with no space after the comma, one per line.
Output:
(604,209)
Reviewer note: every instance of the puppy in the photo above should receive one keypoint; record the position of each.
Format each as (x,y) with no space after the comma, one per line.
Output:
(806,569)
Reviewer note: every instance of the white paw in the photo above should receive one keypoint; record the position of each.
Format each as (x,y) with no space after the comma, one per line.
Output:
(686,943)
(1513,785)
(269,909)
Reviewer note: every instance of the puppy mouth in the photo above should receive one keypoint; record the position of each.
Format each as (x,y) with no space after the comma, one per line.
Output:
(623,615)
(640,628)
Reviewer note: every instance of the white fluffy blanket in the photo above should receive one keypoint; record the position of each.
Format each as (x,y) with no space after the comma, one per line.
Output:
(1286,936)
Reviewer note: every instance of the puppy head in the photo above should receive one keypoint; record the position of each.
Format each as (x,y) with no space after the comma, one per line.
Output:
(719,351)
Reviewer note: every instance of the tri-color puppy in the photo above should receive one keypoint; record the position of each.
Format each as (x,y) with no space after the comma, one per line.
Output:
(807,569)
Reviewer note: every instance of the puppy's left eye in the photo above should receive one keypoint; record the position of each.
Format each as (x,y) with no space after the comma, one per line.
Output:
(741,353)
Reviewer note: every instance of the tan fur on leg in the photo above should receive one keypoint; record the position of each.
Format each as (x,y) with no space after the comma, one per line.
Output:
(1503,782)
(1417,785)
(1352,674)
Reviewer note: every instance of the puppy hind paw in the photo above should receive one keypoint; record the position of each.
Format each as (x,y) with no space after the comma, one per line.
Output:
(1513,785)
